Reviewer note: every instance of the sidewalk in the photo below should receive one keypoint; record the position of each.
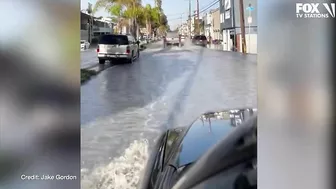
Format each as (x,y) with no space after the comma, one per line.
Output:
(221,48)
(215,46)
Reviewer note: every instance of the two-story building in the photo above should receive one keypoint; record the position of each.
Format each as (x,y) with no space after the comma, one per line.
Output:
(215,29)
(211,24)
(84,26)
(100,26)
(208,23)
(231,28)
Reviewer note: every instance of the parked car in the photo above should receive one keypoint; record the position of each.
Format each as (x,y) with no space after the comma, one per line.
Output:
(117,47)
(173,38)
(217,150)
(200,40)
(84,45)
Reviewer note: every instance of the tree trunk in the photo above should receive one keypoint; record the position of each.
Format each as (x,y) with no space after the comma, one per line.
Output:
(147,26)
(150,29)
(132,28)
(135,24)
(137,31)
(119,25)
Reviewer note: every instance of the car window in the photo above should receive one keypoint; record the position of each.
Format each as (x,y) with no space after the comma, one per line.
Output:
(82,42)
(242,175)
(200,37)
(172,34)
(114,40)
(235,169)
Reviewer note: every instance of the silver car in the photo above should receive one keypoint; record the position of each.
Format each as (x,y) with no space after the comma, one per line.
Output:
(84,45)
(115,47)
(173,38)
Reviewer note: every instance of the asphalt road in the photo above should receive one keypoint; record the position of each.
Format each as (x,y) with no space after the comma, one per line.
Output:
(126,106)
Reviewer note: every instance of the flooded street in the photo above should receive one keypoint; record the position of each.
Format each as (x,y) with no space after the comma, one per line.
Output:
(126,106)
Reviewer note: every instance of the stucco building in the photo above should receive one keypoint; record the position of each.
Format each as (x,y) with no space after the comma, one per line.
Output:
(230,25)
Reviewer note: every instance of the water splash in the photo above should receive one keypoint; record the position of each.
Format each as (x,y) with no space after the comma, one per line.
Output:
(123,172)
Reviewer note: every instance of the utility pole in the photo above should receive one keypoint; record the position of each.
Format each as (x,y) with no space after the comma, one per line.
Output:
(242,25)
(90,12)
(189,20)
(181,23)
(198,18)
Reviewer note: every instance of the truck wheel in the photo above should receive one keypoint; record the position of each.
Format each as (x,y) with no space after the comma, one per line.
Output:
(101,61)
(130,61)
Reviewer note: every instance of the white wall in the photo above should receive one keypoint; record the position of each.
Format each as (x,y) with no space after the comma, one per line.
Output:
(250,47)
(225,40)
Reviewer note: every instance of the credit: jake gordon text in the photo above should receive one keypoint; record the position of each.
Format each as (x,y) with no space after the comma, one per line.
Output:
(47,177)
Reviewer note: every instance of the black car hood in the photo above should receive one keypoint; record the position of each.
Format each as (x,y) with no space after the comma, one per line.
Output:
(192,142)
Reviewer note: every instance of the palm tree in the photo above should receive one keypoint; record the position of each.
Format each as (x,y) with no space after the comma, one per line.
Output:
(132,10)
(117,11)
(134,13)
(151,17)
(106,4)
(147,13)
(158,4)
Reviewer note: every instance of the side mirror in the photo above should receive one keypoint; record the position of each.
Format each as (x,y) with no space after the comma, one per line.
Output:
(138,42)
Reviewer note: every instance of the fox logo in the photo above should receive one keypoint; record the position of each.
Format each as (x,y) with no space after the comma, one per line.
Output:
(313,10)
(330,9)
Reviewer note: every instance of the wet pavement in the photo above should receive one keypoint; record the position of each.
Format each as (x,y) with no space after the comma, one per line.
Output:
(125,107)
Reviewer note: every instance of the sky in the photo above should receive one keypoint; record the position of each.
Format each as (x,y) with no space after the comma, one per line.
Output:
(174,9)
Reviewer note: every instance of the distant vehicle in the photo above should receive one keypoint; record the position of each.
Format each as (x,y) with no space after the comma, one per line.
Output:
(200,40)
(84,44)
(183,37)
(217,150)
(173,38)
(116,47)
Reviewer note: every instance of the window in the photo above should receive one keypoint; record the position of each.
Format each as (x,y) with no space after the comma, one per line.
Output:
(200,37)
(241,168)
(222,18)
(172,34)
(114,40)
(227,14)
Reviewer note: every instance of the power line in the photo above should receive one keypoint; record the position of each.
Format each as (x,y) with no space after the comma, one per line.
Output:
(205,8)
(179,18)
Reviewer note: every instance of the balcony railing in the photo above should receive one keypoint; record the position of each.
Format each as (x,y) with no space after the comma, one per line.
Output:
(95,28)
(101,29)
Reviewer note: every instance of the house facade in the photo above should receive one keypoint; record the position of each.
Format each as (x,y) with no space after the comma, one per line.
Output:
(208,23)
(216,32)
(100,26)
(230,25)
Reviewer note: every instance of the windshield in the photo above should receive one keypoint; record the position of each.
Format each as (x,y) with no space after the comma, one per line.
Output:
(172,34)
(200,37)
(114,40)
(210,130)
(82,42)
